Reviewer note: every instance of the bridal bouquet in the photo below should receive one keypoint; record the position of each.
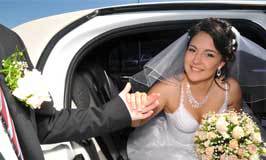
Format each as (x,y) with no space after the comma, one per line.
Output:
(228,136)
(26,85)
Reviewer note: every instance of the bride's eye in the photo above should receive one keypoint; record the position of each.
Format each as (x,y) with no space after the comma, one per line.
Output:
(191,50)
(208,54)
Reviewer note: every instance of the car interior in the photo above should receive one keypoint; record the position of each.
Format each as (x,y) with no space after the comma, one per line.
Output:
(104,69)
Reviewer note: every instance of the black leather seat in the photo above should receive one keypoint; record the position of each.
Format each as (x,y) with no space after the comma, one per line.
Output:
(248,110)
(93,87)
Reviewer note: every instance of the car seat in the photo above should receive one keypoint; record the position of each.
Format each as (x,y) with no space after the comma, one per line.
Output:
(93,87)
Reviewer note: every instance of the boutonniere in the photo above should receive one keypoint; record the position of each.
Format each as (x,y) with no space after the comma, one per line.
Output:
(26,85)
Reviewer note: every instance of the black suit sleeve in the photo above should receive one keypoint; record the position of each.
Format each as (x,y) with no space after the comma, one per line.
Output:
(76,124)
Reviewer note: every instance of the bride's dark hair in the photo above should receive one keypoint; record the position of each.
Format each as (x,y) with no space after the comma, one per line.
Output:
(223,37)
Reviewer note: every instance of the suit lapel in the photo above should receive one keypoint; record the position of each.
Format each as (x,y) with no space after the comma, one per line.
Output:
(22,117)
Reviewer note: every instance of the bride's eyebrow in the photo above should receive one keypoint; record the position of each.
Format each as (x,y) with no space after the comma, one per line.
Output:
(210,50)
(191,45)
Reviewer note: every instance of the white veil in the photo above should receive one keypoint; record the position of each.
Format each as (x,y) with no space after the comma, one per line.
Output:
(249,67)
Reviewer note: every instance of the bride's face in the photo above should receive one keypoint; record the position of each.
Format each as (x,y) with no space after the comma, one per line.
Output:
(202,59)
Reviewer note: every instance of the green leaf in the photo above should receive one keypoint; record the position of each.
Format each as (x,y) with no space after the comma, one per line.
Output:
(13,67)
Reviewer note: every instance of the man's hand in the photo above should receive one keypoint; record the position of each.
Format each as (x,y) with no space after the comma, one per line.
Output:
(139,105)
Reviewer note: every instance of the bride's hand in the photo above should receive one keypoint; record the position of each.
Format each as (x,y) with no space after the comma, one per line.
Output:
(140,102)
(140,105)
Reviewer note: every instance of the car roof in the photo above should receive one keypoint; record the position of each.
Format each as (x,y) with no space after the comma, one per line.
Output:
(37,33)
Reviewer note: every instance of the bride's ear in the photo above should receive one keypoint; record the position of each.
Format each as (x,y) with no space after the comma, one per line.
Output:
(221,65)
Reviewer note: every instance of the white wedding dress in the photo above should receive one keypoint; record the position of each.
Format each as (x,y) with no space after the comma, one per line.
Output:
(167,136)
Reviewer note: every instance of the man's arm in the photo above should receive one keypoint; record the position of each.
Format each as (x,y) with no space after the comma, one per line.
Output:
(76,124)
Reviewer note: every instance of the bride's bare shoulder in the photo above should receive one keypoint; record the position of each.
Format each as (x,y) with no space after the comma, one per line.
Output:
(167,85)
(235,94)
(233,84)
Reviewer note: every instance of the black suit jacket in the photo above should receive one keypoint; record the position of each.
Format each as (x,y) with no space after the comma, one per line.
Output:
(48,125)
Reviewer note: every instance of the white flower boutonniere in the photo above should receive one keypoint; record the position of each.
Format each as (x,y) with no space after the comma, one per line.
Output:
(26,85)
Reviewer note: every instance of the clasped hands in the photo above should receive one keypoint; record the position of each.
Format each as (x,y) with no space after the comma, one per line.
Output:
(139,104)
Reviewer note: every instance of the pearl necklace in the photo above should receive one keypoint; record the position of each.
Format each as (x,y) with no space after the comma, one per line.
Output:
(195,104)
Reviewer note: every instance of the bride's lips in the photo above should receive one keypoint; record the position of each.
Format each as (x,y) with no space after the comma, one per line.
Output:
(196,69)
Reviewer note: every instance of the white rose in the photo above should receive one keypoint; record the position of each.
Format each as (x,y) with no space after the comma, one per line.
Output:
(32,89)
(249,128)
(211,135)
(207,143)
(238,132)
(256,137)
(43,92)
(35,102)
(40,87)
(234,119)
(221,125)
(202,135)
(20,94)
(212,119)
(254,157)
(225,135)
(24,88)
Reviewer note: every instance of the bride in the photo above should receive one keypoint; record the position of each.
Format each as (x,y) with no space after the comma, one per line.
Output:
(192,77)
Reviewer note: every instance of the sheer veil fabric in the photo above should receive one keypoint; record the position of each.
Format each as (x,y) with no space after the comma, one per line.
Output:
(249,67)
